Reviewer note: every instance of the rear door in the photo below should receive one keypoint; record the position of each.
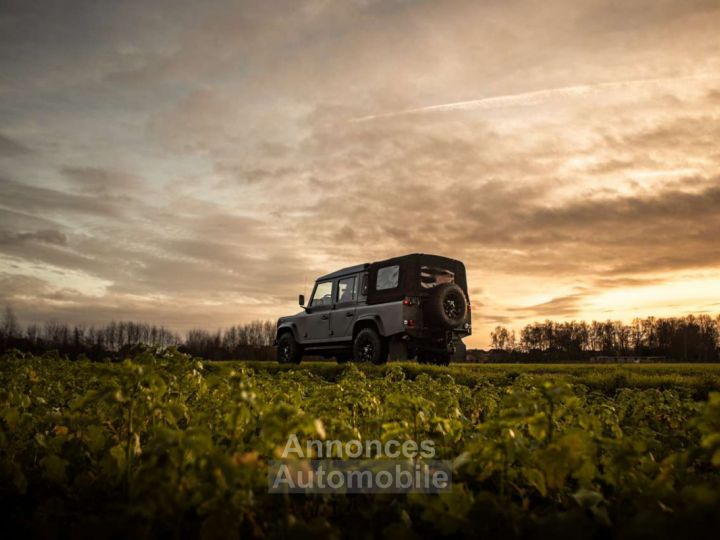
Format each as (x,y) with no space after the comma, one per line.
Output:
(344,313)
(318,312)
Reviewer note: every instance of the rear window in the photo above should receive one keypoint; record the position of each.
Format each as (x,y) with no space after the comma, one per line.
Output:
(387,278)
(431,276)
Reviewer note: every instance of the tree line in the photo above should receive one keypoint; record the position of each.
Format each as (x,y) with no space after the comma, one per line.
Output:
(251,341)
(693,338)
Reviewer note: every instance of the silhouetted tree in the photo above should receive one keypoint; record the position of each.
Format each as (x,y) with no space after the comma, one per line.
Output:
(500,338)
(10,327)
(688,339)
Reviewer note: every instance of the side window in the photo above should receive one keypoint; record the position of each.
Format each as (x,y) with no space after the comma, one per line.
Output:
(322,295)
(387,278)
(364,285)
(346,291)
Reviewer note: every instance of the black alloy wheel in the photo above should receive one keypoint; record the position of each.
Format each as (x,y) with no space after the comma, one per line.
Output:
(369,346)
(288,350)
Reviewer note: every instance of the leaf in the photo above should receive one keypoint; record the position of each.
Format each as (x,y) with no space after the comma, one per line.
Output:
(54,468)
(320,429)
(716,458)
(19,480)
(40,440)
(537,426)
(11,416)
(95,438)
(135,447)
(118,452)
(587,498)
(536,479)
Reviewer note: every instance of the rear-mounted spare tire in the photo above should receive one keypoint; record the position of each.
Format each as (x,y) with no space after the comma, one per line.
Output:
(446,306)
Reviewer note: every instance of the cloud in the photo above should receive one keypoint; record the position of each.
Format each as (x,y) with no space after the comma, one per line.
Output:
(617,15)
(713,96)
(48,236)
(16,285)
(97,180)
(195,164)
(11,147)
(45,201)
(563,306)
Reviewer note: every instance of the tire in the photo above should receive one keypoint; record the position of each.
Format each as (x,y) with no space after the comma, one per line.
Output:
(369,346)
(288,350)
(424,357)
(442,359)
(447,306)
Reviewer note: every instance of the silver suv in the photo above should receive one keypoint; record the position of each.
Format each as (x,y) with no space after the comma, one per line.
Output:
(411,306)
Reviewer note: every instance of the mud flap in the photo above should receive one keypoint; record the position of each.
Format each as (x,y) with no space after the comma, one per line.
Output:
(398,349)
(459,354)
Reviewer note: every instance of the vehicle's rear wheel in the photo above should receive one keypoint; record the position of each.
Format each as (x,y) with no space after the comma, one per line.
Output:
(424,357)
(288,350)
(446,306)
(369,346)
(442,359)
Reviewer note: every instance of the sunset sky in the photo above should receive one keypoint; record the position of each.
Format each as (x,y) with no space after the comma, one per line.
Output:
(198,164)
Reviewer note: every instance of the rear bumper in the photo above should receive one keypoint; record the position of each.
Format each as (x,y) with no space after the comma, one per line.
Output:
(439,342)
(432,334)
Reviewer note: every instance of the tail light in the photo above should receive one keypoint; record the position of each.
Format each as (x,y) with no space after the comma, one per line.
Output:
(408,302)
(410,323)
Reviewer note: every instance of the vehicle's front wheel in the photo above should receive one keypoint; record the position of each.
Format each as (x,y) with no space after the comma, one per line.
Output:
(369,346)
(288,350)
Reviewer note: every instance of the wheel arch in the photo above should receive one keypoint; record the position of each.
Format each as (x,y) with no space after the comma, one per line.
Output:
(285,329)
(368,322)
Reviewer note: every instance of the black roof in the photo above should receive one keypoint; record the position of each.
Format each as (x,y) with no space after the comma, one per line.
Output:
(362,267)
(345,271)
(409,277)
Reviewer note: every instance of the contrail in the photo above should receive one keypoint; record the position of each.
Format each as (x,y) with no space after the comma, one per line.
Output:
(526,99)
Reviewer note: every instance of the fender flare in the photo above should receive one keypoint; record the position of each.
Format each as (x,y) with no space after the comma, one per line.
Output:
(370,318)
(284,327)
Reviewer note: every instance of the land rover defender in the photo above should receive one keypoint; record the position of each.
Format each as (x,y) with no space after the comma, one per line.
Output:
(411,306)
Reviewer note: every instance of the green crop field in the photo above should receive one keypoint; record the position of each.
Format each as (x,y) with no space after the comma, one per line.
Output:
(167,445)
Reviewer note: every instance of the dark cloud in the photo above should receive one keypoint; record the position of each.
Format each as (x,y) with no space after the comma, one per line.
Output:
(15,219)
(491,320)
(685,134)
(617,15)
(611,282)
(713,96)
(48,236)
(45,201)
(14,286)
(11,147)
(563,306)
